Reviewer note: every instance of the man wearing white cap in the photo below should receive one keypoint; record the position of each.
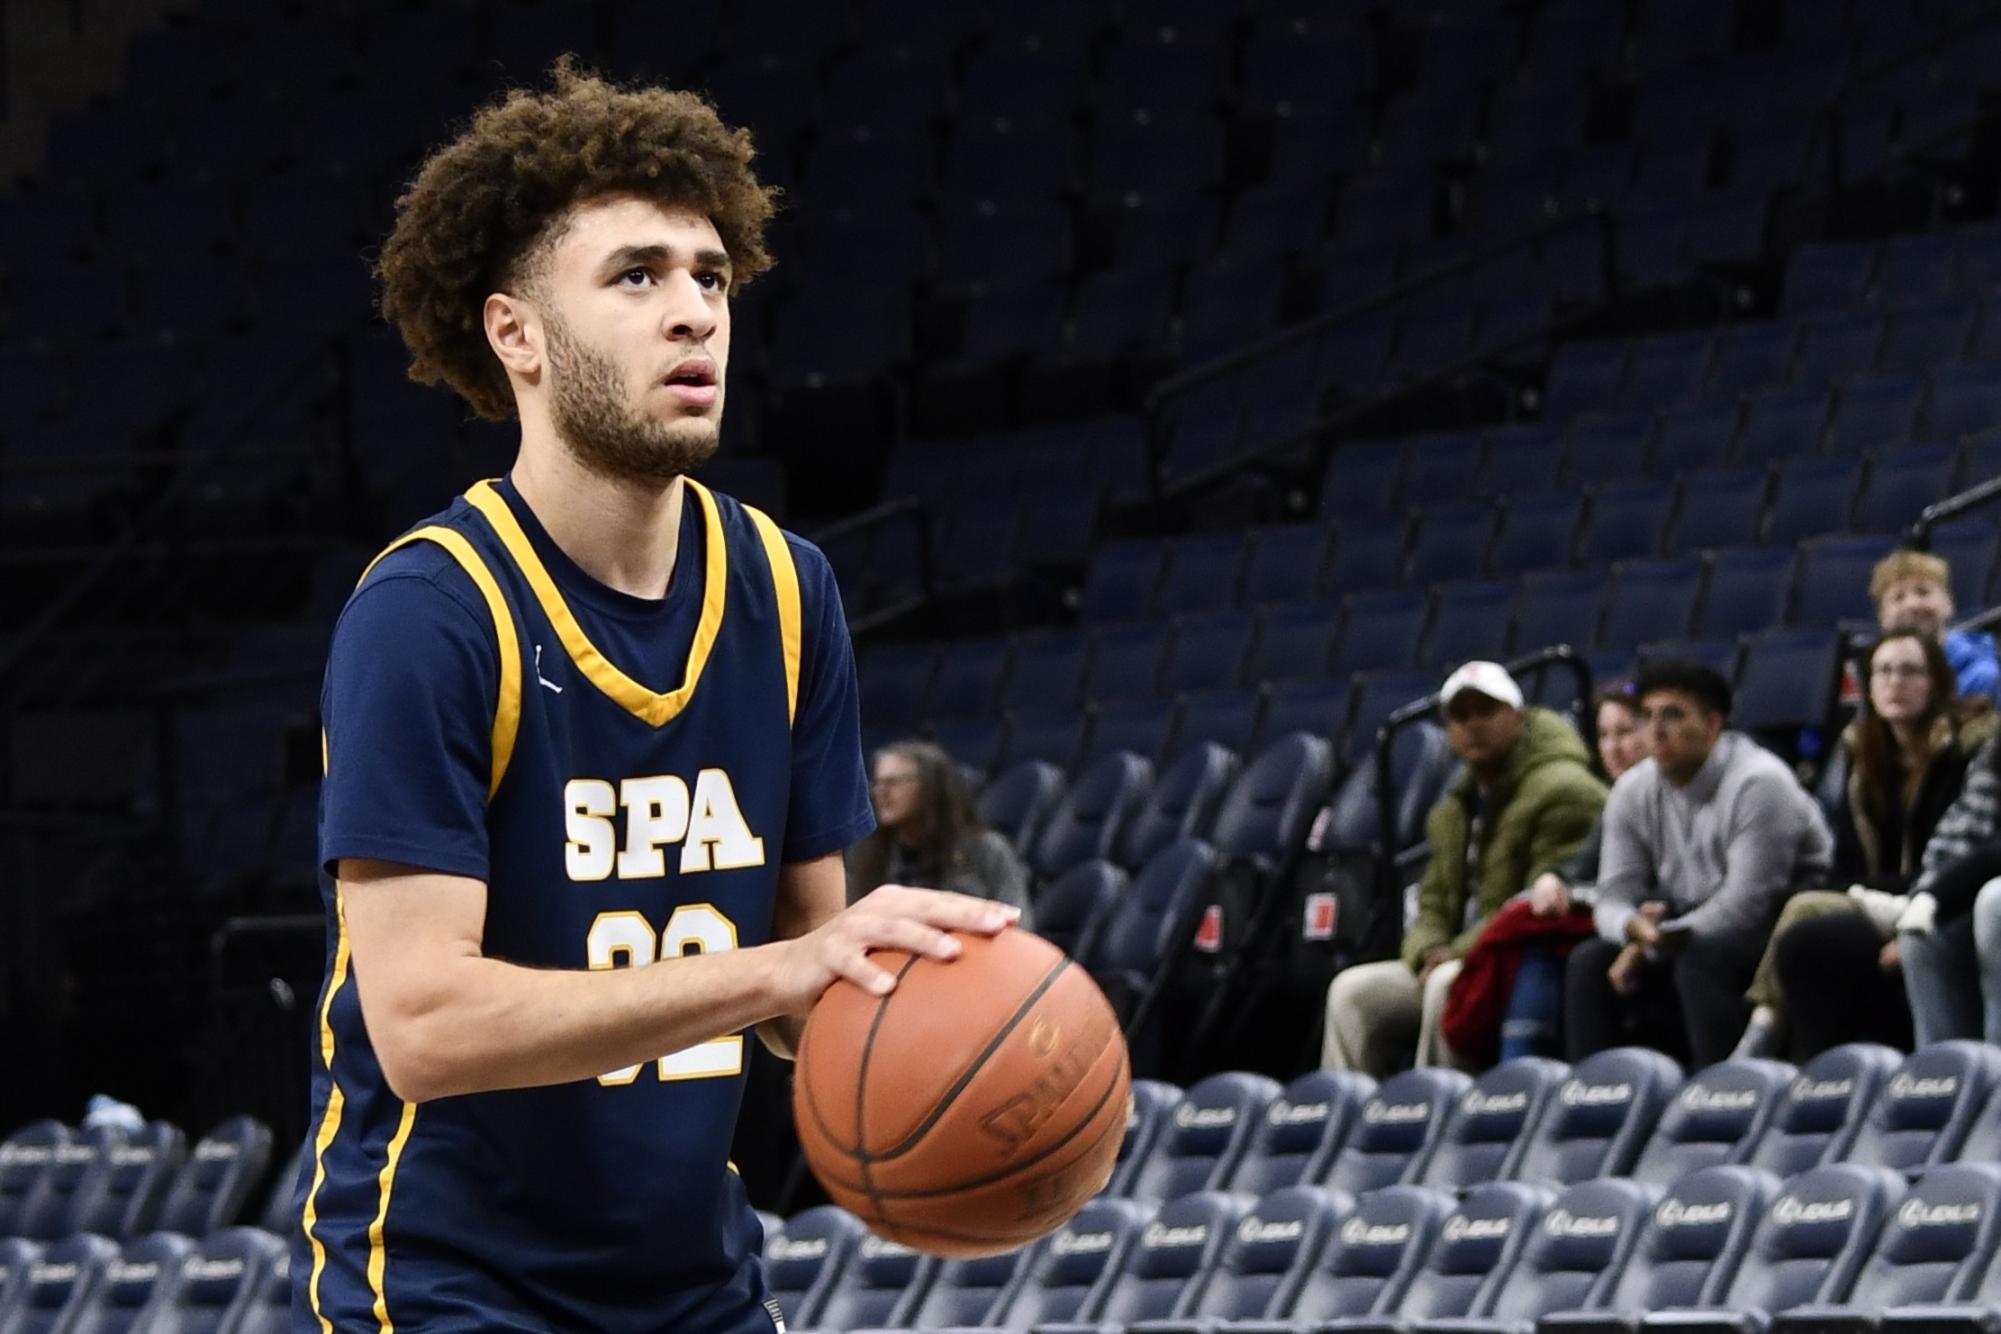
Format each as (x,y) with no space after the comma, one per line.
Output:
(1526,801)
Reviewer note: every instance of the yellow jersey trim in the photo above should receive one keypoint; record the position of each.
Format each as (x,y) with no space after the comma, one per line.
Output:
(649,706)
(330,1121)
(784,582)
(377,1254)
(506,709)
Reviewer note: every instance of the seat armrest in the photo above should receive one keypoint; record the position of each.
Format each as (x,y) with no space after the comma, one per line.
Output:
(1699,1321)
(1943,1318)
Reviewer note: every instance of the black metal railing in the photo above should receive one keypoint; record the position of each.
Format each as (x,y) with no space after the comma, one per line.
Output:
(869,527)
(1919,535)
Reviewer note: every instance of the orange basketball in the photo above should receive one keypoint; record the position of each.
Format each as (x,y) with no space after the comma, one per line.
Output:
(974,1108)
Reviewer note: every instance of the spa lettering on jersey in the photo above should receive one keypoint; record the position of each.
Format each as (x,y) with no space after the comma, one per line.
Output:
(654,813)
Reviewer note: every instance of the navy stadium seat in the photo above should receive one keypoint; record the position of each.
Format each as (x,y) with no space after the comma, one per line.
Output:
(71,1188)
(27,1160)
(1294,642)
(1120,584)
(1153,1102)
(215,1181)
(134,1178)
(1968,547)
(1471,1258)
(1964,399)
(1687,1254)
(1598,1119)
(1667,371)
(1926,1108)
(894,681)
(1443,469)
(1650,600)
(1071,909)
(1523,459)
(1827,277)
(1923,336)
(1914,268)
(1874,414)
(1302,1127)
(1396,1130)
(1363,480)
(1608,447)
(1150,921)
(277,1214)
(1018,799)
(1468,620)
(16,1254)
(1283,564)
(1571,1259)
(1691,438)
(879,1278)
(1787,679)
(1204,1137)
(1368,553)
(1090,815)
(1380,630)
(59,1284)
(1627,520)
(967,680)
(1749,588)
(1377,696)
(1714,1119)
(1126,660)
(1208,652)
(1317,708)
(1489,1124)
(1834,346)
(1265,813)
(802,1263)
(1227,718)
(1901,484)
(1821,1110)
(1165,1268)
(1537,532)
(1046,668)
(1559,607)
(135,1287)
(1808,1248)
(1264,1260)
(1181,803)
(962,1292)
(1834,579)
(1750,357)
(1136,726)
(1201,574)
(1932,1249)
(1451,541)
(1584,377)
(1718,507)
(1781,424)
(1067,1273)
(1812,496)
(1369,1261)
(976,743)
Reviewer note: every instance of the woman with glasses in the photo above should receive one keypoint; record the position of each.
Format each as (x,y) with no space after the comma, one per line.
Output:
(928,834)
(1835,969)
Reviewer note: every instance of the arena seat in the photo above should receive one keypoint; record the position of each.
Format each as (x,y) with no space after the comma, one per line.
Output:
(1650,599)
(1489,1124)
(1598,1118)
(27,1164)
(1875,413)
(1713,1119)
(1821,1111)
(1070,910)
(1934,1247)
(1300,1130)
(137,1284)
(1537,532)
(1926,1107)
(1379,630)
(1018,799)
(1182,802)
(1749,588)
(1571,1259)
(1468,619)
(1203,1138)
(1264,814)
(1451,542)
(960,1293)
(1395,1132)
(1811,496)
(1558,607)
(1066,1274)
(1152,1106)
(802,1263)
(1201,574)
(1166,1268)
(1126,660)
(16,1255)
(967,679)
(876,1281)
(1274,1246)
(134,1178)
(1627,521)
(59,1285)
(1368,553)
(279,1214)
(1469,1260)
(1089,816)
(1208,651)
(1808,1248)
(1150,922)
(73,1186)
(1046,668)
(1135,726)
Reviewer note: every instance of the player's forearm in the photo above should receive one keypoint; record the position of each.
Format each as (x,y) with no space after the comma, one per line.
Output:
(486,1024)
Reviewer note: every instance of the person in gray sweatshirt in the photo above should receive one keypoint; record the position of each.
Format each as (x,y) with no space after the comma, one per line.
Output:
(1703,841)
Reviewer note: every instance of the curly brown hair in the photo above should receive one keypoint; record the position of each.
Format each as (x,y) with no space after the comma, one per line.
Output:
(484,211)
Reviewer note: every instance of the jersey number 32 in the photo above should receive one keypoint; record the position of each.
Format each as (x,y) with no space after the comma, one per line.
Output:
(626,939)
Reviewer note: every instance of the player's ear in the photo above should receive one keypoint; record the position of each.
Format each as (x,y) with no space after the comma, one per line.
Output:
(514,332)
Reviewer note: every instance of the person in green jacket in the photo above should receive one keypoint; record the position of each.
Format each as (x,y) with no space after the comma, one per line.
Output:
(1526,801)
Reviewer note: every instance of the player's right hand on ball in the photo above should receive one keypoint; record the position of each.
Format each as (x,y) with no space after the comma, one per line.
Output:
(893,917)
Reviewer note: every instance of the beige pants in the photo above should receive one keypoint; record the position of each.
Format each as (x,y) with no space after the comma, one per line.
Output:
(1807,903)
(1377,1013)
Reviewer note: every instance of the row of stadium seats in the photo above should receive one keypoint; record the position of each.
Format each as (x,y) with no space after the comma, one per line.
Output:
(57,1181)
(1839,1247)
(232,1282)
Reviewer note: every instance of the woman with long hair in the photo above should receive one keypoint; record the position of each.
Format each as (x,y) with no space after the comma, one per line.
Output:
(1833,972)
(928,833)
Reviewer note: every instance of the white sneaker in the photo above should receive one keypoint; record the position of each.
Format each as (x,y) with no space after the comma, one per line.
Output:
(1920,916)
(1881,908)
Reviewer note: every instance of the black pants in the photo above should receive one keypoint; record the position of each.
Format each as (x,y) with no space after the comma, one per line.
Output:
(1690,1006)
(1835,988)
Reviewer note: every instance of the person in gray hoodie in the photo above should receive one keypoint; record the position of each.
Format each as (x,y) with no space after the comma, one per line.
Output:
(1703,842)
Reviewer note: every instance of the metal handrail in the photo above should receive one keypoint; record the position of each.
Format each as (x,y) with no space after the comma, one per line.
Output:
(902,509)
(1919,534)
(1420,708)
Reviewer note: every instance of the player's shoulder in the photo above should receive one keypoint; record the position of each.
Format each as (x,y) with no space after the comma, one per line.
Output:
(815,572)
(417,582)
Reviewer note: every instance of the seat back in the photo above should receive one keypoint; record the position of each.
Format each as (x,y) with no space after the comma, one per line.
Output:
(1924,1111)
(1153,1102)
(67,1192)
(1299,1132)
(1171,1260)
(963,1292)
(1474,1252)
(1204,1136)
(1599,1117)
(218,1283)
(1067,1272)
(1396,1129)
(1938,1241)
(1088,817)
(1814,1237)
(215,1181)
(1268,806)
(268,1307)
(1151,919)
(1071,911)
(280,1212)
(27,1164)
(1716,1118)
(1273,1246)
(1819,1114)
(137,1283)
(1488,1123)
(802,1263)
(1181,803)
(134,1177)
(16,1254)
(878,1277)
(58,1284)
(1370,1256)
(1694,1240)
(1019,799)
(1576,1250)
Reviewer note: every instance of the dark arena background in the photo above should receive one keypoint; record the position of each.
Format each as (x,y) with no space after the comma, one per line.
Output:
(1180,391)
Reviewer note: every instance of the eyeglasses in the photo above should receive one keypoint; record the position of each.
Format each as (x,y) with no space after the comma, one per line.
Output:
(892,780)
(1667,715)
(1898,671)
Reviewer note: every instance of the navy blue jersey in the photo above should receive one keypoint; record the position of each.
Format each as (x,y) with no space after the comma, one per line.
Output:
(626,776)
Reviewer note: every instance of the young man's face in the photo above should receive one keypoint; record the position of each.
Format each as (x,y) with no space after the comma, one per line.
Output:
(637,321)
(1917,603)
(1681,731)
(1482,730)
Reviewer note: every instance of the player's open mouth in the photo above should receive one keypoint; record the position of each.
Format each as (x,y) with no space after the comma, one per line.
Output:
(693,382)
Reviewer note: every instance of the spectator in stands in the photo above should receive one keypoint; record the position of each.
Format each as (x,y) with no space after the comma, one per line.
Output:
(1949,933)
(927,833)
(1703,842)
(1622,743)
(1831,974)
(1526,801)
(1913,591)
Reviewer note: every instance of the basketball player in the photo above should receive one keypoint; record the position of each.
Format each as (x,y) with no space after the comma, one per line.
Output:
(592,757)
